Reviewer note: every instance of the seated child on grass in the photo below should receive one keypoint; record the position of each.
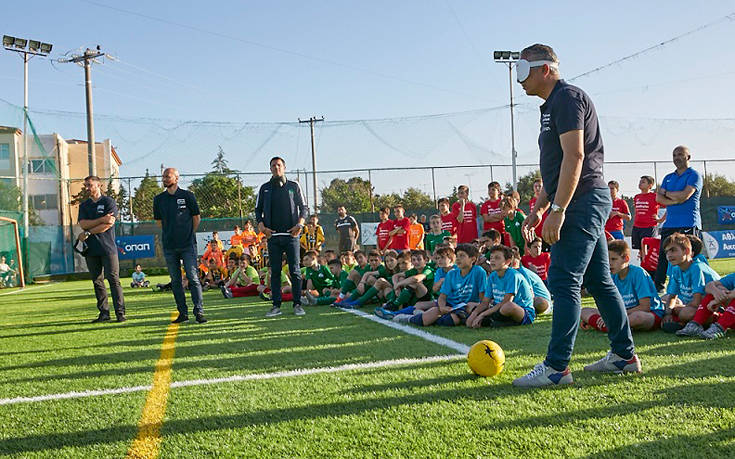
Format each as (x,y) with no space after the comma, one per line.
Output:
(536,260)
(214,276)
(461,288)
(348,260)
(507,296)
(414,285)
(244,281)
(366,290)
(645,309)
(318,277)
(138,276)
(329,293)
(720,298)
(383,284)
(541,294)
(687,281)
(349,288)
(264,288)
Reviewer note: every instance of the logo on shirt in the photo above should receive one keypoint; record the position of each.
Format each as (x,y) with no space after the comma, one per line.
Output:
(100,208)
(181,202)
(545,122)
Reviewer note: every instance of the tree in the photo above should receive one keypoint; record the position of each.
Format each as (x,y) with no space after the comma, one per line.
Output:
(222,196)
(525,185)
(353,194)
(719,185)
(415,199)
(121,199)
(219,164)
(143,197)
(11,198)
(387,200)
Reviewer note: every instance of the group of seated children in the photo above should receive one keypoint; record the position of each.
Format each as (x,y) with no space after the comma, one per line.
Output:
(695,295)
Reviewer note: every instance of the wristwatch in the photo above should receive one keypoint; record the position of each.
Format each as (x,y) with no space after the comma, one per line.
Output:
(557,209)
(87,233)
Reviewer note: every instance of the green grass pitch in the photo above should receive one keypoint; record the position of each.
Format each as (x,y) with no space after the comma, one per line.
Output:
(682,406)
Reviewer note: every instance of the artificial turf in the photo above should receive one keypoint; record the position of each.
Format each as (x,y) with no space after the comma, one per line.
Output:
(682,406)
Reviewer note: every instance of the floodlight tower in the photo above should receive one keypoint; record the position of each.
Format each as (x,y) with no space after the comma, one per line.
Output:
(510,58)
(28,49)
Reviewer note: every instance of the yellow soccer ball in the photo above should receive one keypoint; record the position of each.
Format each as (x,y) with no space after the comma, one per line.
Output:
(486,358)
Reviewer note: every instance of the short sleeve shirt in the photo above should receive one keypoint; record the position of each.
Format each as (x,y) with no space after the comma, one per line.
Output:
(537,285)
(344,225)
(463,289)
(646,210)
(176,212)
(685,284)
(320,277)
(616,223)
(728,281)
(99,244)
(431,240)
(568,108)
(467,229)
(400,241)
(512,282)
(636,285)
(540,263)
(686,214)
(492,208)
(382,233)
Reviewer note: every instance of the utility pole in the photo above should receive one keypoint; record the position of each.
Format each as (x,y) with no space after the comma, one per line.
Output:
(86,61)
(510,58)
(311,122)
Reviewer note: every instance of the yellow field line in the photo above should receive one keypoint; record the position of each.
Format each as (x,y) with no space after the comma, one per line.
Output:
(148,442)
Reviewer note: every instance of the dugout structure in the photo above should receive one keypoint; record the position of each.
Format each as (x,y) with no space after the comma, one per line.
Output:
(10,245)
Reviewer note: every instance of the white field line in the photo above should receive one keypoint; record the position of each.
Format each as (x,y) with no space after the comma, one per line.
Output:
(459,347)
(28,289)
(235,378)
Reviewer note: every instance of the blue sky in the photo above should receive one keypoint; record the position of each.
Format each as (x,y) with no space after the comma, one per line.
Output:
(277,61)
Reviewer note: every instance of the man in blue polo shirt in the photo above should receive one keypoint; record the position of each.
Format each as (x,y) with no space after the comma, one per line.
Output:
(571,161)
(97,219)
(177,211)
(679,192)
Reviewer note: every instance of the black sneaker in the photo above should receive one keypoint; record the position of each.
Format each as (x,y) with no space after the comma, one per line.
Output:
(101,318)
(264,297)
(200,319)
(121,318)
(181,318)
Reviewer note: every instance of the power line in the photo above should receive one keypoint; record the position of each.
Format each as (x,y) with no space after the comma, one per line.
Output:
(728,17)
(282,50)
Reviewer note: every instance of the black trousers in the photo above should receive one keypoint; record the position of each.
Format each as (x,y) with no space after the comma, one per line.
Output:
(663,263)
(110,266)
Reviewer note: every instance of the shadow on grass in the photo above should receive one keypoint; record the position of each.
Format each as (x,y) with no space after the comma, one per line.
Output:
(679,445)
(47,442)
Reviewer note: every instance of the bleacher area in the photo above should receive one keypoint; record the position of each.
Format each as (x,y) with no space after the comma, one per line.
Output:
(334,384)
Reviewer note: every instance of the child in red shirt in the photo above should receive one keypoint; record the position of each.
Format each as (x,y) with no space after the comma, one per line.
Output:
(536,260)
(399,233)
(465,213)
(646,212)
(618,213)
(649,254)
(384,228)
(448,221)
(490,212)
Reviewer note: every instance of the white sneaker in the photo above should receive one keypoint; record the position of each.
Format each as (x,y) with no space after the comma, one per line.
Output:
(275,311)
(298,310)
(402,318)
(613,363)
(542,376)
(692,329)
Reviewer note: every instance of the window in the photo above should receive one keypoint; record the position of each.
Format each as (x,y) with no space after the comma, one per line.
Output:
(4,156)
(44,201)
(42,166)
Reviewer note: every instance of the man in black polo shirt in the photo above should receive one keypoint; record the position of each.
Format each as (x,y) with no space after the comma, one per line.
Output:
(97,219)
(348,230)
(178,213)
(571,162)
(280,212)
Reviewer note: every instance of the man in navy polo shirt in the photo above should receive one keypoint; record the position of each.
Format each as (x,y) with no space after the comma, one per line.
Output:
(97,218)
(679,192)
(571,161)
(178,214)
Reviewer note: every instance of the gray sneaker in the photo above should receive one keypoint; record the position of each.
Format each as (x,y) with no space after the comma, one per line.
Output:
(613,363)
(402,318)
(692,329)
(715,331)
(310,299)
(275,311)
(298,310)
(542,376)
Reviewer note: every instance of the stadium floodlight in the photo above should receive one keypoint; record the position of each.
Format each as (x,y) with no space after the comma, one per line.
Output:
(8,41)
(510,58)
(34,45)
(20,43)
(46,48)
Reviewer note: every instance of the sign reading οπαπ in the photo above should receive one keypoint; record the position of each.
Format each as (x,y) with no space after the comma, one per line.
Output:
(135,247)
(726,215)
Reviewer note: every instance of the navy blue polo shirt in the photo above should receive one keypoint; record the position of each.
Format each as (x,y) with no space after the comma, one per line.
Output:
(175,212)
(100,244)
(568,108)
(686,214)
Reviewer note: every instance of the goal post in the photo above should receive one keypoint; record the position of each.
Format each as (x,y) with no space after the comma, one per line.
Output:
(16,235)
